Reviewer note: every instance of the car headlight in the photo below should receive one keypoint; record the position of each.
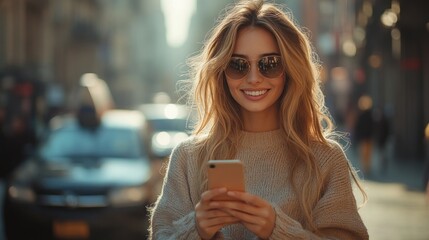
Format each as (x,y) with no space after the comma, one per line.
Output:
(21,193)
(128,196)
(168,140)
(161,140)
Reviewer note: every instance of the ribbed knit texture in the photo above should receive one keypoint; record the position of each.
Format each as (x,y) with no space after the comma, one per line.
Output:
(265,158)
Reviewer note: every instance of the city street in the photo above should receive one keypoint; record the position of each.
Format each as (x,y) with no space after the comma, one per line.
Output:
(362,65)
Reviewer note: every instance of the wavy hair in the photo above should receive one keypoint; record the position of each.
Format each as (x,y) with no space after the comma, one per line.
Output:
(302,112)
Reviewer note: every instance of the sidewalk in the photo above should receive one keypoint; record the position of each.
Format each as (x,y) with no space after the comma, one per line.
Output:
(395,213)
(397,208)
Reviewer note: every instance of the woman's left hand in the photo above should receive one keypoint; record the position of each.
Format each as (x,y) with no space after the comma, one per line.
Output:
(255,213)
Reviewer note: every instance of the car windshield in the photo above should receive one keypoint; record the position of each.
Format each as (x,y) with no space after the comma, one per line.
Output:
(99,143)
(177,124)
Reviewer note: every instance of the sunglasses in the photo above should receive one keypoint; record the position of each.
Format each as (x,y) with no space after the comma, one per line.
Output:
(270,66)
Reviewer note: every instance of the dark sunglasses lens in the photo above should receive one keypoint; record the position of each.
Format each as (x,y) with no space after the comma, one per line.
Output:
(271,66)
(237,68)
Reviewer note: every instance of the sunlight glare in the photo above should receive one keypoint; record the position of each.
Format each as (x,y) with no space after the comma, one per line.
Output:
(178,15)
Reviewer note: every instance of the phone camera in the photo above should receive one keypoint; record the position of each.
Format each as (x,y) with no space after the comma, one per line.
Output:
(212,165)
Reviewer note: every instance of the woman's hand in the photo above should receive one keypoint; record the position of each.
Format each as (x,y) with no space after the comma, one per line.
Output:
(210,219)
(254,213)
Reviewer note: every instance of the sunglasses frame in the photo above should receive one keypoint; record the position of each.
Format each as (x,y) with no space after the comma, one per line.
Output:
(258,62)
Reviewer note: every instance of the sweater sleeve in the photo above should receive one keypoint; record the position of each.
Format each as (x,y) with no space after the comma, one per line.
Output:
(173,215)
(335,214)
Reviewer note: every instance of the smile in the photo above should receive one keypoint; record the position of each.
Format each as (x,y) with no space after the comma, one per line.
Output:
(255,93)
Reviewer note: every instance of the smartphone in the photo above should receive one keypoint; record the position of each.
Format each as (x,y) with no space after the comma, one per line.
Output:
(228,174)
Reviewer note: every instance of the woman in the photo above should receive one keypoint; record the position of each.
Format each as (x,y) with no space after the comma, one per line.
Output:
(256,91)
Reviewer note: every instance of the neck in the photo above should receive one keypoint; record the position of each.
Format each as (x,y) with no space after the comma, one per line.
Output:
(260,121)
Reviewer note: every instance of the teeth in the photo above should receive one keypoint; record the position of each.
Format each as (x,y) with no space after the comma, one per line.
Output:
(255,93)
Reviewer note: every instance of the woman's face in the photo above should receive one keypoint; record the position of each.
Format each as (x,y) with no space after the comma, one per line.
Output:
(254,92)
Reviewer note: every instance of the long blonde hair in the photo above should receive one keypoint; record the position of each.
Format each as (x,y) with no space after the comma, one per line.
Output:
(303,115)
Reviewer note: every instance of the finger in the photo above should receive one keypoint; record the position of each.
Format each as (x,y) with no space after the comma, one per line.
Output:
(235,205)
(261,226)
(244,211)
(218,222)
(217,214)
(245,217)
(210,213)
(210,194)
(246,197)
(214,224)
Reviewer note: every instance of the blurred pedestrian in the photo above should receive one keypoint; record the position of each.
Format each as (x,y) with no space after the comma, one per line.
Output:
(3,142)
(19,143)
(426,174)
(364,132)
(382,133)
(426,182)
(259,99)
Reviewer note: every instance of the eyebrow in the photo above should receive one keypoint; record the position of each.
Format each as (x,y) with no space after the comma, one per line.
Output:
(262,55)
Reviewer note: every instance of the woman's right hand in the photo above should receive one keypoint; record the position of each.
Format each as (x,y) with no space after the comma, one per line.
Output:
(208,219)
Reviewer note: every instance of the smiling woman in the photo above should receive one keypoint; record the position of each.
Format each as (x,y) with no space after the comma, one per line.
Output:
(177,16)
(256,89)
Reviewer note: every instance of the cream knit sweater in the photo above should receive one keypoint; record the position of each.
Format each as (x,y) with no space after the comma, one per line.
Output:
(266,162)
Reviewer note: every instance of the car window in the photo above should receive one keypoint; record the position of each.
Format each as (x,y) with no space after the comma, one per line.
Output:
(169,124)
(100,143)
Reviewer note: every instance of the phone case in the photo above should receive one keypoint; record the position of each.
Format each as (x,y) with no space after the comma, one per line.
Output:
(226,173)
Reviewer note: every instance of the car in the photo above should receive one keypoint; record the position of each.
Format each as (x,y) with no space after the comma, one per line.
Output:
(90,179)
(168,124)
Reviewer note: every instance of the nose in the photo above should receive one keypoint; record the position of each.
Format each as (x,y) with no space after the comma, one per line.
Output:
(253,77)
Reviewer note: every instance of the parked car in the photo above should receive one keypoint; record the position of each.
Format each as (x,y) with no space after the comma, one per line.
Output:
(88,181)
(168,124)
